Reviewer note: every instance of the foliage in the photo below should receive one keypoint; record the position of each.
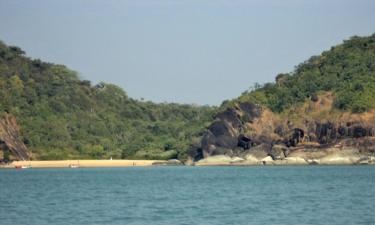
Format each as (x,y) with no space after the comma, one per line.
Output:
(348,70)
(6,157)
(64,117)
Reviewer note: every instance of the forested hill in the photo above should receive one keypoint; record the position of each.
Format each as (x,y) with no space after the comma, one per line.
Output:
(347,70)
(62,116)
(327,101)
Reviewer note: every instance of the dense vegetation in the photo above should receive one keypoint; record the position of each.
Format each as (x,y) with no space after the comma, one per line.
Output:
(62,116)
(347,70)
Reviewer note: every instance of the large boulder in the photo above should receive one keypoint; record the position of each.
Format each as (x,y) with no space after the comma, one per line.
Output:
(279,152)
(251,160)
(259,152)
(231,116)
(295,161)
(195,153)
(344,157)
(222,151)
(214,160)
(267,160)
(221,128)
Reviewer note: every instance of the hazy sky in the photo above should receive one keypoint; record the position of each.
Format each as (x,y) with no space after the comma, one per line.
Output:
(182,51)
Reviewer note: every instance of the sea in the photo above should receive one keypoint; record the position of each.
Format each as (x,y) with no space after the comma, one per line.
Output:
(285,195)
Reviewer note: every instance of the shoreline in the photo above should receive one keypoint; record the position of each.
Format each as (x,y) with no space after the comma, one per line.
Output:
(151,163)
(83,163)
(347,157)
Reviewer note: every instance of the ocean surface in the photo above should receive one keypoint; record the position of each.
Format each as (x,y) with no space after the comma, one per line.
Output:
(332,195)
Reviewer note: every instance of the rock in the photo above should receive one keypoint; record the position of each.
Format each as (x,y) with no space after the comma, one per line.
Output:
(267,160)
(244,142)
(220,128)
(237,160)
(312,161)
(227,142)
(220,134)
(195,153)
(364,161)
(359,132)
(247,130)
(259,152)
(174,162)
(345,157)
(325,132)
(189,162)
(290,161)
(214,160)
(10,138)
(251,160)
(278,152)
(219,160)
(371,160)
(296,161)
(222,151)
(230,116)
(208,143)
(312,153)
(250,111)
(335,160)
(296,135)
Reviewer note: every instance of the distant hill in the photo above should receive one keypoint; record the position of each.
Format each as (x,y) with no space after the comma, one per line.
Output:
(325,105)
(327,101)
(347,70)
(62,116)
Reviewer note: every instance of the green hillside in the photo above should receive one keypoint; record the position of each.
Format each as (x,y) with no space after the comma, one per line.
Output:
(347,70)
(62,116)
(325,105)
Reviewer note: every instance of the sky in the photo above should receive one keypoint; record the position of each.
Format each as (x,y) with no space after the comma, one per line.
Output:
(197,51)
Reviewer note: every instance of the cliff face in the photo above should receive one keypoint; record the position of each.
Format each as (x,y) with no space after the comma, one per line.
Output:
(249,129)
(10,138)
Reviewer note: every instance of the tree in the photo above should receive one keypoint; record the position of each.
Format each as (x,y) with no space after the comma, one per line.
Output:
(6,156)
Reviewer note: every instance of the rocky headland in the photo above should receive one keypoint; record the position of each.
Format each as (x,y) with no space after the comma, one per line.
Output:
(313,133)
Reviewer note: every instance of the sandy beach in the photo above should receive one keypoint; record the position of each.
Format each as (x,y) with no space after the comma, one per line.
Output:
(82,163)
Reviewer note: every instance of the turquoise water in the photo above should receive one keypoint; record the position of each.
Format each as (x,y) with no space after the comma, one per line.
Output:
(189,195)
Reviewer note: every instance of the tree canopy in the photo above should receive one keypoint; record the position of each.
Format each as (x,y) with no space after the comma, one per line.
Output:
(62,116)
(347,70)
